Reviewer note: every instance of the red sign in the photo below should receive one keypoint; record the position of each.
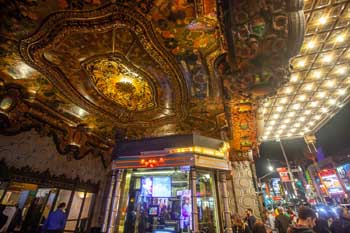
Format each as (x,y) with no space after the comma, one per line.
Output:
(283,172)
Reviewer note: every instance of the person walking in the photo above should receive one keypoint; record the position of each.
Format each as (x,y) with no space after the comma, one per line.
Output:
(56,220)
(306,221)
(250,219)
(282,221)
(238,226)
(342,224)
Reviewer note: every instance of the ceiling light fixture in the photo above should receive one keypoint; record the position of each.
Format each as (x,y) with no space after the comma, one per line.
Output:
(279,109)
(311,44)
(307,112)
(314,104)
(294,78)
(340,38)
(323,20)
(330,83)
(288,90)
(317,74)
(321,94)
(291,114)
(341,91)
(302,98)
(309,86)
(301,63)
(327,58)
(284,100)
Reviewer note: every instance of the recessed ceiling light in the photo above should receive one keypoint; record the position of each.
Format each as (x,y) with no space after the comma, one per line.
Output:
(321,94)
(272,122)
(279,109)
(294,78)
(296,125)
(280,131)
(317,117)
(341,70)
(314,104)
(340,38)
(276,116)
(284,100)
(341,91)
(296,106)
(286,120)
(307,112)
(317,74)
(269,128)
(291,114)
(283,126)
(306,129)
(302,119)
(309,86)
(288,90)
(330,83)
(332,101)
(311,123)
(301,63)
(327,58)
(311,44)
(293,130)
(324,110)
(302,98)
(323,20)
(266,104)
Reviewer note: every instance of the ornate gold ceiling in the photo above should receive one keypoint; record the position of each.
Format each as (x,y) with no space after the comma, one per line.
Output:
(145,67)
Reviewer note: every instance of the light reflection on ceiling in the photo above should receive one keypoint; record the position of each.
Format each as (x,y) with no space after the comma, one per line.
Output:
(319,84)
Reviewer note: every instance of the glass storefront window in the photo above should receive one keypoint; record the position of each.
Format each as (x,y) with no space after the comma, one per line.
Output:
(159,200)
(206,203)
(74,211)
(63,196)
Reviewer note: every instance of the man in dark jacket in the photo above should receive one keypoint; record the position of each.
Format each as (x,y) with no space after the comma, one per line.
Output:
(342,224)
(306,221)
(282,221)
(56,221)
(250,219)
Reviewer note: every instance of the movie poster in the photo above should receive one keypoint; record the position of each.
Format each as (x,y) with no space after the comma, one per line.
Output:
(186,210)
(344,174)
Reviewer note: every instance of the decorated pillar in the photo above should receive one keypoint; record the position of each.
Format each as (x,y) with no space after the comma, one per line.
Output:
(108,201)
(193,177)
(115,202)
(227,211)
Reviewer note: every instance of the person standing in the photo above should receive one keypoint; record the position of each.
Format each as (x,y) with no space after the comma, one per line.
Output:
(342,224)
(269,221)
(306,221)
(282,221)
(56,220)
(250,219)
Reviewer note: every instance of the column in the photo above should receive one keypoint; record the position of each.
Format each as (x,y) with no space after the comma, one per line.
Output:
(227,212)
(108,202)
(195,226)
(115,202)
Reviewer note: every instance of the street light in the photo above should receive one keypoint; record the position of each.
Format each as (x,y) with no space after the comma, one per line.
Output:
(270,168)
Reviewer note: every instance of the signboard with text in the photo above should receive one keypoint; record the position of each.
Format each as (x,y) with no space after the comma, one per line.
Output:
(283,172)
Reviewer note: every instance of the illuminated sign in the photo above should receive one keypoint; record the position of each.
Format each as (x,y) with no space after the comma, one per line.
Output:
(330,181)
(283,172)
(344,174)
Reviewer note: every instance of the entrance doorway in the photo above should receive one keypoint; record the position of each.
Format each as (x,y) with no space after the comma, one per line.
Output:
(160,201)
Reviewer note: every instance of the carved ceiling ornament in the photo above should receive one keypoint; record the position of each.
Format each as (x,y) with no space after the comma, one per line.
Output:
(261,36)
(22,114)
(123,83)
(57,50)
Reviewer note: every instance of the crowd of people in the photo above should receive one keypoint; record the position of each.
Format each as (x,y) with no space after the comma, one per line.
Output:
(286,221)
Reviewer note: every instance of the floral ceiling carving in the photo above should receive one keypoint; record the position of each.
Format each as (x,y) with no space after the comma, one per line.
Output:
(121,83)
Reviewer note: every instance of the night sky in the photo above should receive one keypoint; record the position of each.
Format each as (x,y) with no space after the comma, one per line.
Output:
(333,138)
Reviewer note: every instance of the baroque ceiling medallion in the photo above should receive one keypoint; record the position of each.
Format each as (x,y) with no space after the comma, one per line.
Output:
(122,83)
(130,80)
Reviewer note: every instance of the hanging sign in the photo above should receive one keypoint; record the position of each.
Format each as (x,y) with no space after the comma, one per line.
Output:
(283,172)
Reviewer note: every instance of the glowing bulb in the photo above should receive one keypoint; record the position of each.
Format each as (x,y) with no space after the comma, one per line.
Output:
(322,20)
(279,109)
(309,86)
(330,83)
(275,116)
(311,44)
(324,110)
(322,94)
(294,78)
(341,91)
(341,70)
(327,58)
(289,90)
(291,114)
(302,119)
(269,128)
(314,104)
(301,63)
(317,74)
(307,112)
(272,122)
(306,129)
(311,123)
(289,134)
(284,100)
(266,104)
(317,117)
(293,130)
(296,106)
(340,38)
(286,120)
(302,98)
(296,125)
(283,126)
(332,101)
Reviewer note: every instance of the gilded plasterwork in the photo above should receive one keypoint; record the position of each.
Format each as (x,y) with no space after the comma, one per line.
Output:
(121,84)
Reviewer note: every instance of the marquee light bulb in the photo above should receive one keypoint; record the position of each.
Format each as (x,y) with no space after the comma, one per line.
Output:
(323,20)
(327,58)
(301,63)
(317,74)
(340,38)
(294,78)
(311,44)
